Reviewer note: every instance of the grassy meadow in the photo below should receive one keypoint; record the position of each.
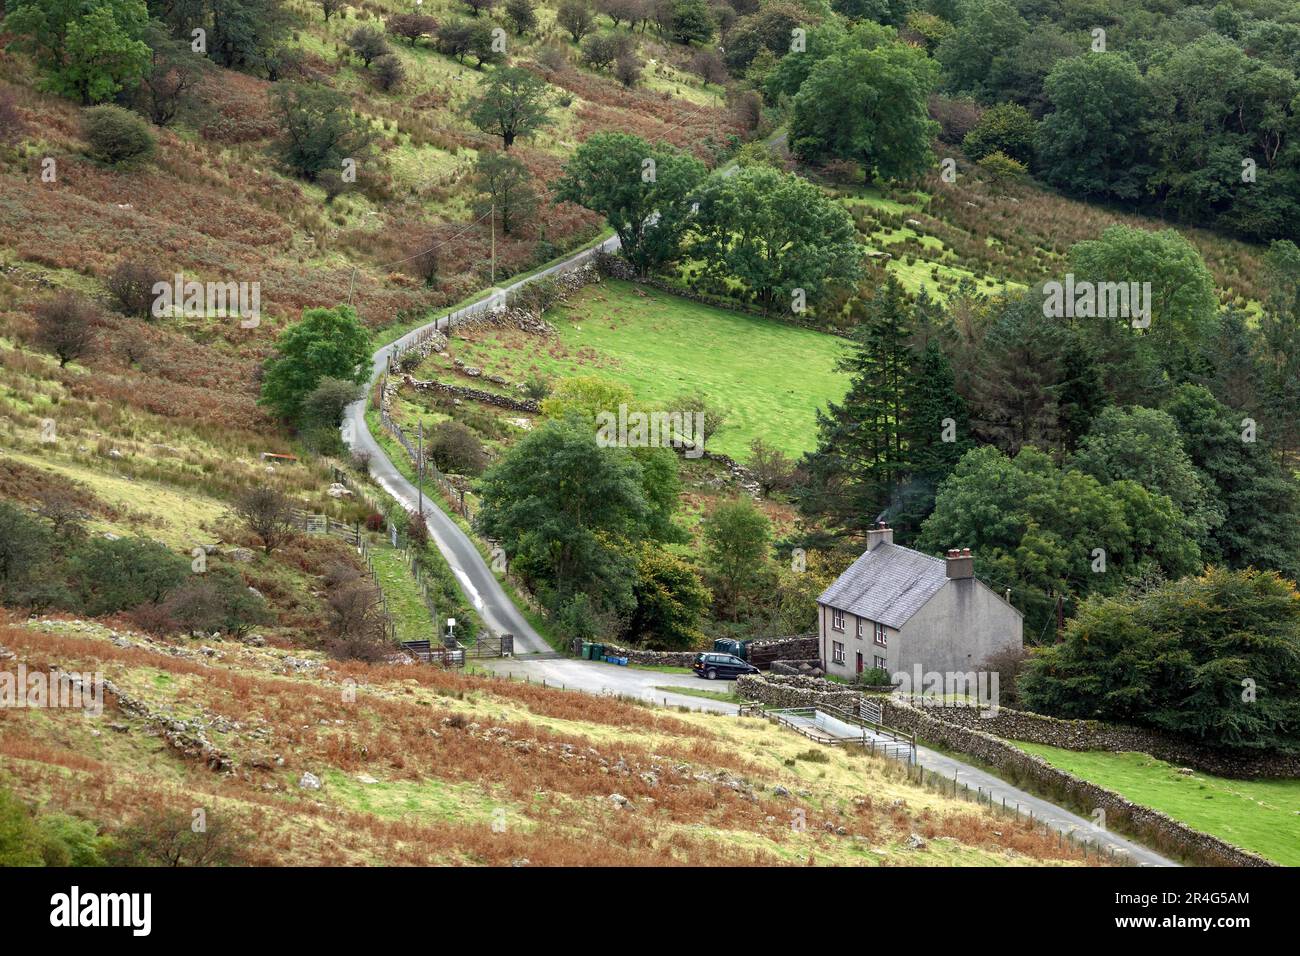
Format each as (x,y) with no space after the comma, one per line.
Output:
(1258,815)
(769,376)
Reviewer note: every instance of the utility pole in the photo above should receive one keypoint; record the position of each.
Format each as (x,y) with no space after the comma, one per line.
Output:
(494,244)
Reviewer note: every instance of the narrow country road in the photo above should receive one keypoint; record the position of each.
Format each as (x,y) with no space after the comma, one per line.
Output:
(472,572)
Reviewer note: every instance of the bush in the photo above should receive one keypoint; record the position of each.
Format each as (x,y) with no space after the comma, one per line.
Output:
(375,521)
(116,136)
(65,326)
(268,514)
(170,838)
(874,677)
(600,50)
(813,756)
(417,529)
(120,575)
(324,405)
(357,629)
(368,43)
(627,70)
(1212,658)
(131,286)
(216,602)
(24,548)
(389,72)
(1006,128)
(20,840)
(456,450)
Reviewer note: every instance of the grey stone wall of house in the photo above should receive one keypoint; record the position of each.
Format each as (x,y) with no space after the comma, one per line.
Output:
(958,629)
(1148,825)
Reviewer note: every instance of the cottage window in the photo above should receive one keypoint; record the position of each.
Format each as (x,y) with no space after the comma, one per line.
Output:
(862,628)
(881,663)
(837,652)
(881,639)
(837,619)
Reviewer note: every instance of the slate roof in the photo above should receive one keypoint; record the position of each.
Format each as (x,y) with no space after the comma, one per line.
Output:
(888,584)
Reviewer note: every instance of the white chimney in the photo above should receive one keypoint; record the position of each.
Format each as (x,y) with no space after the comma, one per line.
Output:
(878,535)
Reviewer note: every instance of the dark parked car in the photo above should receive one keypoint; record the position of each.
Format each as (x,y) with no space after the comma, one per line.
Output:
(714,666)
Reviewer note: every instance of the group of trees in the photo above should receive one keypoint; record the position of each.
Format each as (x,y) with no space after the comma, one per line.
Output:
(1196,111)
(1212,657)
(590,529)
(773,232)
(1074,456)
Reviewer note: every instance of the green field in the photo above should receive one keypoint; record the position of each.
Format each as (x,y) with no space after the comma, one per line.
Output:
(768,375)
(405,604)
(1258,815)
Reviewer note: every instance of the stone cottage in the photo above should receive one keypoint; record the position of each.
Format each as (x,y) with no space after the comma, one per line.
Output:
(896,608)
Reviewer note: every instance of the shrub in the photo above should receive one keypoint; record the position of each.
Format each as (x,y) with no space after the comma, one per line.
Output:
(599,50)
(357,624)
(20,840)
(375,521)
(116,136)
(411,26)
(874,677)
(627,70)
(553,57)
(324,405)
(813,756)
(456,449)
(216,602)
(1006,128)
(24,547)
(120,575)
(65,327)
(417,529)
(131,286)
(1176,657)
(389,72)
(170,838)
(368,43)
(268,514)
(537,386)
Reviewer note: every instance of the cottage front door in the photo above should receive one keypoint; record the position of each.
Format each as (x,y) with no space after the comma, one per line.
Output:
(859,662)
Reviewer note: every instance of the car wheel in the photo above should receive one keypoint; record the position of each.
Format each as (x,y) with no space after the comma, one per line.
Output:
(711,674)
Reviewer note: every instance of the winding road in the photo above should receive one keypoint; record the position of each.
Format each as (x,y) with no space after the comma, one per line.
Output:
(500,614)
(472,572)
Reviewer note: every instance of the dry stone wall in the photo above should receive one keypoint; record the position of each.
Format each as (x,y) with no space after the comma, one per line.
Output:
(1148,825)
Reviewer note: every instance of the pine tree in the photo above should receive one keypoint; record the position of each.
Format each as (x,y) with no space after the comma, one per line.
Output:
(937,430)
(860,460)
(1080,394)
